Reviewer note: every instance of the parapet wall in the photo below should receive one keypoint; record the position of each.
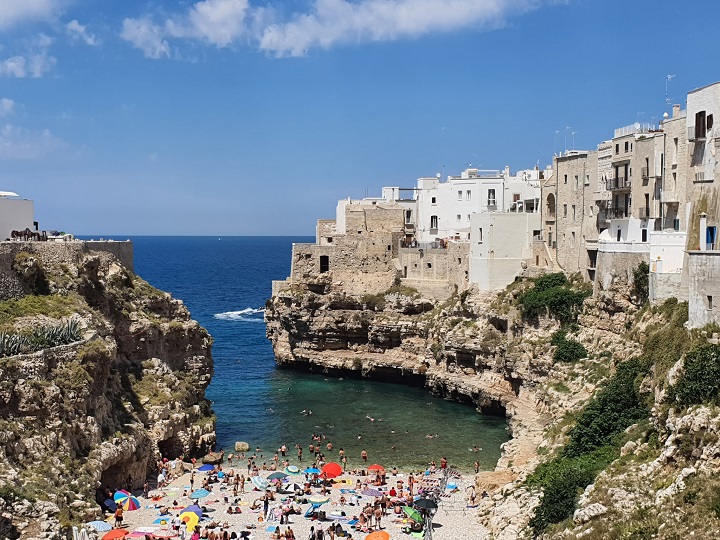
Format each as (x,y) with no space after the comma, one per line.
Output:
(54,255)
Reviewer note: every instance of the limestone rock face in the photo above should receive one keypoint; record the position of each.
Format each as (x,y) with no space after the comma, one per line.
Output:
(97,413)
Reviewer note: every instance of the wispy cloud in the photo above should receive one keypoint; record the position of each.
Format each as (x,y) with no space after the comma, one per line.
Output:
(14,12)
(7,107)
(79,32)
(332,22)
(327,23)
(25,144)
(146,36)
(29,65)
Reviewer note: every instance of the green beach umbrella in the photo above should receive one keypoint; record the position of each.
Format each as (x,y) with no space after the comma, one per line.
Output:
(412,514)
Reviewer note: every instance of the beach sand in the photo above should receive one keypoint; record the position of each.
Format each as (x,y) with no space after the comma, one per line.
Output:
(452,520)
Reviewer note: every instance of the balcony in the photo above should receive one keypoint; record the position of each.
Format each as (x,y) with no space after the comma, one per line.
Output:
(618,183)
(645,172)
(409,227)
(645,212)
(618,213)
(694,134)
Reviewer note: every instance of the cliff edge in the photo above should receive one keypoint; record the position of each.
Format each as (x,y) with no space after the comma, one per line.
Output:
(101,374)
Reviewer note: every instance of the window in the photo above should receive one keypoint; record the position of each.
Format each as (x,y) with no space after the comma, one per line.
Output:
(480,236)
(468,195)
(627,146)
(675,151)
(468,218)
(577,182)
(329,239)
(408,216)
(565,178)
(619,234)
(587,179)
(458,217)
(459,195)
(491,197)
(644,237)
(709,302)
(573,210)
(590,210)
(433,200)
(617,148)
(433,222)
(709,122)
(564,210)
(324,263)
(700,124)
(429,265)
(572,239)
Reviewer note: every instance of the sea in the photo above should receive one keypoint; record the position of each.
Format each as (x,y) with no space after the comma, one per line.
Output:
(225,281)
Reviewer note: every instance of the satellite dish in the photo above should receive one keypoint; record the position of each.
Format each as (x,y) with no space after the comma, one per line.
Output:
(637,125)
(438,176)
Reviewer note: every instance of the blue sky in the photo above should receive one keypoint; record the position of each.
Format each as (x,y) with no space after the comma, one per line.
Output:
(254,116)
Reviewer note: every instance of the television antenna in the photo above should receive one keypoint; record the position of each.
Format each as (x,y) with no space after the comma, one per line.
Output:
(668,78)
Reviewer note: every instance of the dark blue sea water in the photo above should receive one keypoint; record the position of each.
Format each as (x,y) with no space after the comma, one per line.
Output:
(225,282)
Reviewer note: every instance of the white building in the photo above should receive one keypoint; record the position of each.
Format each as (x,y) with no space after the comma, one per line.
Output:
(501,244)
(444,209)
(16,214)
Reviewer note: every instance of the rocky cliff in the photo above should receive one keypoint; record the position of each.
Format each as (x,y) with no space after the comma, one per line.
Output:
(599,418)
(96,412)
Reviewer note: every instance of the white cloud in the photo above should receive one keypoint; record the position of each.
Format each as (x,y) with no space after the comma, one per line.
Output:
(339,21)
(31,65)
(79,33)
(13,12)
(219,22)
(7,107)
(146,36)
(24,144)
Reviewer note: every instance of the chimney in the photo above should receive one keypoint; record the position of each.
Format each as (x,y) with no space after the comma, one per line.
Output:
(676,111)
(703,231)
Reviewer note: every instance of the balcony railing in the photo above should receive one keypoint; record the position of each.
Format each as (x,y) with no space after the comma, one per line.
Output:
(646,212)
(618,183)
(695,135)
(618,213)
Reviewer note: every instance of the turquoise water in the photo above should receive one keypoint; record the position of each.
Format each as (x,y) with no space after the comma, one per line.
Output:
(225,282)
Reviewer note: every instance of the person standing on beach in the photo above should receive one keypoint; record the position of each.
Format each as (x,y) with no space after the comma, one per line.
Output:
(118,517)
(192,479)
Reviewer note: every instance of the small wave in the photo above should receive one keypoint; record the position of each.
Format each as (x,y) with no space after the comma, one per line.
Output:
(245,315)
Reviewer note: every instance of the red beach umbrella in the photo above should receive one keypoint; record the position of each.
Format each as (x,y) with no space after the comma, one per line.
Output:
(331,470)
(376,467)
(378,535)
(114,534)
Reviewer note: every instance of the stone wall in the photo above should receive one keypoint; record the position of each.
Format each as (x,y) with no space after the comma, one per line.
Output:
(616,268)
(664,286)
(704,288)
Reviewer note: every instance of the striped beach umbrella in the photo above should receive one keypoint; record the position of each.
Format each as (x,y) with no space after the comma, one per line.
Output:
(259,483)
(126,500)
(292,469)
(199,493)
(99,526)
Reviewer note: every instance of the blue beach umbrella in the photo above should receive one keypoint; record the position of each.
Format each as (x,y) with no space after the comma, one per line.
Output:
(163,520)
(221,474)
(204,468)
(259,483)
(193,508)
(99,526)
(311,470)
(112,505)
(277,475)
(199,493)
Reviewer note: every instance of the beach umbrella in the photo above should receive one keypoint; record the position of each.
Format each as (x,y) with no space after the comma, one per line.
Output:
(331,470)
(292,469)
(292,488)
(194,508)
(311,470)
(428,504)
(412,514)
(199,493)
(204,468)
(121,495)
(163,520)
(378,535)
(163,535)
(259,483)
(221,474)
(115,533)
(99,526)
(190,519)
(277,475)
(317,500)
(370,492)
(112,505)
(376,467)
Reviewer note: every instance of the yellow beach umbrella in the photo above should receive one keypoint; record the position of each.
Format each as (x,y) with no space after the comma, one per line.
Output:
(190,519)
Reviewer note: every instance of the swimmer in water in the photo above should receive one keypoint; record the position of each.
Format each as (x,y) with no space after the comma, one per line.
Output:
(369,417)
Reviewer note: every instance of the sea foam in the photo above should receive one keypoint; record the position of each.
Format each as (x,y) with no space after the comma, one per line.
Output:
(244,315)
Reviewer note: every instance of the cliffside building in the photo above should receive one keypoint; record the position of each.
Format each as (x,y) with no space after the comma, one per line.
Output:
(16,214)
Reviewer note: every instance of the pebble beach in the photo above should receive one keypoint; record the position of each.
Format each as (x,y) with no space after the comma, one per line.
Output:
(453,518)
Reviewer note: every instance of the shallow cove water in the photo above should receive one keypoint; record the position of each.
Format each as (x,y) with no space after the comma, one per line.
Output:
(225,282)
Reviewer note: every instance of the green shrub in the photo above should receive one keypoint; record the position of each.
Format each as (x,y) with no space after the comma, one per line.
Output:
(641,283)
(375,302)
(570,350)
(700,380)
(594,443)
(553,295)
(558,337)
